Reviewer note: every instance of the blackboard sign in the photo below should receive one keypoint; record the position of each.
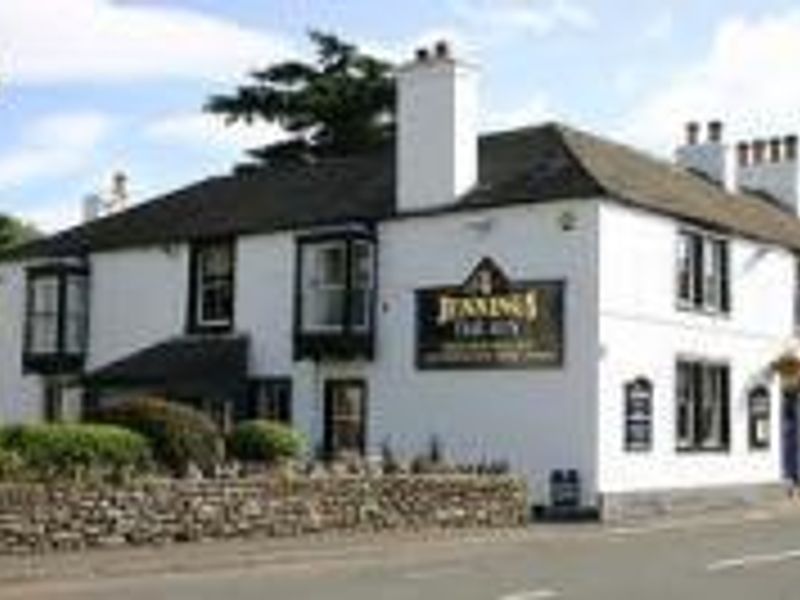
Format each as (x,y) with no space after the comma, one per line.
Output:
(638,415)
(490,322)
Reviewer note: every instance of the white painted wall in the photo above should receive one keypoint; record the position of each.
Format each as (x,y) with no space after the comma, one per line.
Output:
(642,333)
(138,298)
(20,396)
(536,419)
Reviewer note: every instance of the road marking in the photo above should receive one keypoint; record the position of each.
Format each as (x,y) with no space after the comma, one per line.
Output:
(752,560)
(531,595)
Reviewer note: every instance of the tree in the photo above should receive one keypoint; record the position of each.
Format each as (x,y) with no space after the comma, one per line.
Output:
(14,232)
(342,104)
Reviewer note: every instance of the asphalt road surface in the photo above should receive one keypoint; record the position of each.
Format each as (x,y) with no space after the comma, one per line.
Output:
(753,556)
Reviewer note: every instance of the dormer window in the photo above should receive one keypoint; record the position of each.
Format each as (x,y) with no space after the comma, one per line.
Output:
(212,277)
(57,318)
(335,299)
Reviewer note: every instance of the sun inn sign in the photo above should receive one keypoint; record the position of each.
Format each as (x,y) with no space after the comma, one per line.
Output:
(490,322)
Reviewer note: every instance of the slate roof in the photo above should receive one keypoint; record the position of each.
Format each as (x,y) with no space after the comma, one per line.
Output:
(183,365)
(537,164)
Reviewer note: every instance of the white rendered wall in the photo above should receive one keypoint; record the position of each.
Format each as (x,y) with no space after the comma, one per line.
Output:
(138,298)
(20,395)
(538,420)
(642,333)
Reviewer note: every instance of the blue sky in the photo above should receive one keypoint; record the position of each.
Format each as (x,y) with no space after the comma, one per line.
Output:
(91,86)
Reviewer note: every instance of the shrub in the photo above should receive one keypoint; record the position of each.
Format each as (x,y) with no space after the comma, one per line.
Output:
(265,441)
(179,435)
(11,465)
(72,450)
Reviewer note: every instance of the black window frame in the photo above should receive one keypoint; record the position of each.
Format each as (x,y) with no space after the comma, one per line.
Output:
(331,386)
(277,390)
(638,415)
(692,423)
(195,321)
(759,417)
(347,341)
(696,250)
(62,357)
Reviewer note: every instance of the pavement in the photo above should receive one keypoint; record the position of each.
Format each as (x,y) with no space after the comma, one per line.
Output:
(743,555)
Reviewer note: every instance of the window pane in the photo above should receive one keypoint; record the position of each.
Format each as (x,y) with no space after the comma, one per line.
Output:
(684,267)
(328,307)
(45,294)
(332,265)
(43,334)
(362,265)
(215,284)
(684,408)
(360,308)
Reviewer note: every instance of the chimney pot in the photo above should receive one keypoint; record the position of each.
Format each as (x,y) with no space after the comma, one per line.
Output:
(743,153)
(759,150)
(422,54)
(692,133)
(790,147)
(442,49)
(775,150)
(715,132)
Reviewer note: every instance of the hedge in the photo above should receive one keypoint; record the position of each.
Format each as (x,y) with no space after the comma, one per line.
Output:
(74,450)
(178,434)
(265,441)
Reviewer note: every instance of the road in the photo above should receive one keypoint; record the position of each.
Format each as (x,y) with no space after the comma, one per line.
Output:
(753,556)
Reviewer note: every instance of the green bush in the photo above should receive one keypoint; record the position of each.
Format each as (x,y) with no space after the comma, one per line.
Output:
(265,441)
(179,435)
(11,465)
(73,450)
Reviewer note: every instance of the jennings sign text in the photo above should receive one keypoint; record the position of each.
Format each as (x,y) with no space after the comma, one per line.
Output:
(490,322)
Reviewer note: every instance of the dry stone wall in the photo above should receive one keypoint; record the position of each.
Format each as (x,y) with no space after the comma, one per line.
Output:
(39,518)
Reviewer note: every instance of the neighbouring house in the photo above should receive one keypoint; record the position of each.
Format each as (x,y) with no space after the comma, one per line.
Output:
(541,296)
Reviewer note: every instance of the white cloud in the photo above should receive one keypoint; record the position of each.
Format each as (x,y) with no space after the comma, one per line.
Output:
(54,146)
(540,17)
(47,41)
(749,79)
(210,132)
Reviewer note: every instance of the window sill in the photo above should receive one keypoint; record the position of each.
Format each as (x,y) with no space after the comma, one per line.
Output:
(705,312)
(701,450)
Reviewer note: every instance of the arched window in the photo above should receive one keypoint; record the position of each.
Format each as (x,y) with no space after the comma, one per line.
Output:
(758,405)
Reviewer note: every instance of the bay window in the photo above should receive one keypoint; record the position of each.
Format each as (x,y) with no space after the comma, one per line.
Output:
(57,317)
(335,295)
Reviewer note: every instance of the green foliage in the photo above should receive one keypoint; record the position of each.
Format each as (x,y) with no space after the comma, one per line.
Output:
(11,465)
(342,104)
(179,435)
(265,441)
(14,232)
(73,450)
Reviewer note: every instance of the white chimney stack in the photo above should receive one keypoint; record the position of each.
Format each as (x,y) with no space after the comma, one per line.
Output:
(96,206)
(710,157)
(771,167)
(437,138)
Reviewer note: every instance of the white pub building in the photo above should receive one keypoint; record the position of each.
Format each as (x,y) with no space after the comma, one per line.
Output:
(541,296)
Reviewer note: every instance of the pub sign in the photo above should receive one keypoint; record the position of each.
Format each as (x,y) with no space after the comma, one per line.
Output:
(490,322)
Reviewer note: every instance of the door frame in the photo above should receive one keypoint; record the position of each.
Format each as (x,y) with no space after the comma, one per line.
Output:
(327,427)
